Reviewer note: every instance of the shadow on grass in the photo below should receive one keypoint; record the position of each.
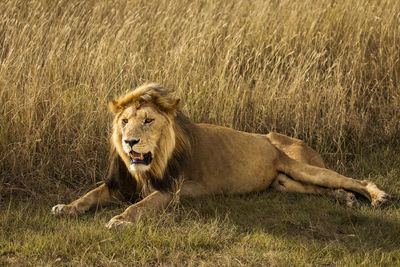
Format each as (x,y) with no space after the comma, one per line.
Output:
(305,218)
(298,228)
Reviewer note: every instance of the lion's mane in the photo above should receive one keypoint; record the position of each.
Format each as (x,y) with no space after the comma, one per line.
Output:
(165,169)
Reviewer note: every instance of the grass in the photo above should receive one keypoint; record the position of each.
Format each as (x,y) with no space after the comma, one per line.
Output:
(326,71)
(268,228)
(273,229)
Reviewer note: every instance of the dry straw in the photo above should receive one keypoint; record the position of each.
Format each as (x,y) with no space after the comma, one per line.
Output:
(325,71)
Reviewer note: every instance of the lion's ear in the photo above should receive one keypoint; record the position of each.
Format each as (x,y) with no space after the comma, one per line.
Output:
(163,99)
(169,103)
(177,103)
(115,107)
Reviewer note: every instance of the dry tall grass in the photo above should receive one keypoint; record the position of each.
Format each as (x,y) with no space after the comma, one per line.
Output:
(326,71)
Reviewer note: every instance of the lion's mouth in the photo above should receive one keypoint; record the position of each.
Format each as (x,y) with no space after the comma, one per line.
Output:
(139,158)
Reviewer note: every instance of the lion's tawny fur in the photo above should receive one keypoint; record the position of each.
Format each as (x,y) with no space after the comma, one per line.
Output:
(202,159)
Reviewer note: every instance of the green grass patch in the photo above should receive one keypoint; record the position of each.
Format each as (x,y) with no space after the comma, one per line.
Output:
(255,229)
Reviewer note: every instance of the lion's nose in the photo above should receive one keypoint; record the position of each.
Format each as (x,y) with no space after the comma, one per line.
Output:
(132,142)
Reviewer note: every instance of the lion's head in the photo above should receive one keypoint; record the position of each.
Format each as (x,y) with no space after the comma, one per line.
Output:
(149,132)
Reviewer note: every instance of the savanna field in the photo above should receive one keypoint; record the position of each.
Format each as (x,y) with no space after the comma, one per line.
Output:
(327,72)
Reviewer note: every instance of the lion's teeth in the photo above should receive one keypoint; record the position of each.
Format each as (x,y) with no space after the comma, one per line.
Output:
(136,155)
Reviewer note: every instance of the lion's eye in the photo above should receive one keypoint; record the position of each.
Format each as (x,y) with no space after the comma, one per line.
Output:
(148,121)
(124,121)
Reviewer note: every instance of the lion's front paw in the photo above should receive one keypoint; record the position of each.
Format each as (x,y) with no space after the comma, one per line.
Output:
(118,221)
(62,209)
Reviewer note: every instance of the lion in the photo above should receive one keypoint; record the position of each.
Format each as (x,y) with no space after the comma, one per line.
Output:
(157,152)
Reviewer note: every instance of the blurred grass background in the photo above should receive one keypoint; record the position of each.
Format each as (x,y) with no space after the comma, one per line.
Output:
(326,71)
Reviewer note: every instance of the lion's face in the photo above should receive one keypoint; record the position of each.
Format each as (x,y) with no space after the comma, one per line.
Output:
(143,128)
(141,131)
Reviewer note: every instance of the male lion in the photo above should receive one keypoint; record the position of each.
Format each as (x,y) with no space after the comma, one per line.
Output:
(157,151)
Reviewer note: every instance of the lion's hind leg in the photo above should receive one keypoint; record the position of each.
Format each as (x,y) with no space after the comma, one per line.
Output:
(308,174)
(283,183)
